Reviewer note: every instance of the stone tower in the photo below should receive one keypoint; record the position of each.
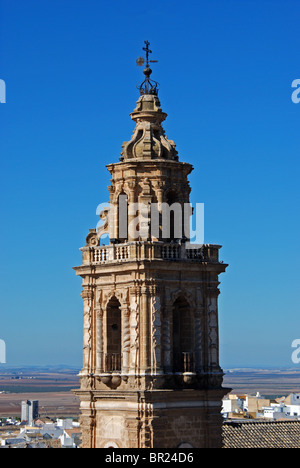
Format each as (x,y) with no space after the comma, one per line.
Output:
(151,376)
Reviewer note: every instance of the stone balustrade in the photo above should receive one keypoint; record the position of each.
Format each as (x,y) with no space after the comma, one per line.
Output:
(146,250)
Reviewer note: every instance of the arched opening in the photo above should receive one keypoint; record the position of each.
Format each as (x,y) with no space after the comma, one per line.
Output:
(183,337)
(110,445)
(172,217)
(112,361)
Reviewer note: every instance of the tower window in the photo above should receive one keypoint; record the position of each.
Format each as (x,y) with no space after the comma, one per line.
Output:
(183,337)
(112,361)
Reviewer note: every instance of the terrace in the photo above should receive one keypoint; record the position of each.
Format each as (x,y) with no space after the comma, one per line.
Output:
(146,250)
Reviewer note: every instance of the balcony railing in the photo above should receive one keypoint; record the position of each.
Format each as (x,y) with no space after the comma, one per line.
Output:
(184,362)
(112,362)
(188,362)
(132,251)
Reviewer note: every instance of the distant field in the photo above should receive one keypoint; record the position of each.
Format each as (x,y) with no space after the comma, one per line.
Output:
(269,382)
(53,387)
(62,404)
(38,382)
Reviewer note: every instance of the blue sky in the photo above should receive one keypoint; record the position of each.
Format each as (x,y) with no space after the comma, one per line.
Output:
(225,70)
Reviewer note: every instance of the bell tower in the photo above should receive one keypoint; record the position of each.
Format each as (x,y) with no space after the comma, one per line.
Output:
(151,376)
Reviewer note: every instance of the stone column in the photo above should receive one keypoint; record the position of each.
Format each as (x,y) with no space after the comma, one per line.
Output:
(125,339)
(131,210)
(166,338)
(87,296)
(113,218)
(199,331)
(134,320)
(158,187)
(156,360)
(144,331)
(145,200)
(99,341)
(213,330)
(198,339)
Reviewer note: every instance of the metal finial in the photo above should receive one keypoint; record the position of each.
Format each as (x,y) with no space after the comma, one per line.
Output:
(148,51)
(148,86)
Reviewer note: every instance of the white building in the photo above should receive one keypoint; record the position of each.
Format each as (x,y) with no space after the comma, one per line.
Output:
(65,423)
(29,411)
(274,411)
(289,409)
(292,402)
(232,405)
(65,430)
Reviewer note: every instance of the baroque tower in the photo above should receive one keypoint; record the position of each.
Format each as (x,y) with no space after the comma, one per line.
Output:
(151,376)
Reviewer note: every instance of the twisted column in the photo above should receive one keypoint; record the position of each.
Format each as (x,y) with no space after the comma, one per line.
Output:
(87,296)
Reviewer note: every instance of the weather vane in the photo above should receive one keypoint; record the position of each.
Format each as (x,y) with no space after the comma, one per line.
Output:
(148,86)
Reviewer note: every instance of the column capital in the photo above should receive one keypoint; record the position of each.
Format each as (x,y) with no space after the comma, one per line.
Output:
(87,293)
(145,290)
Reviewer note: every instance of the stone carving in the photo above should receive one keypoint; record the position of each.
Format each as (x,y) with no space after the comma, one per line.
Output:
(188,294)
(92,238)
(126,333)
(113,426)
(109,295)
(134,333)
(149,140)
(99,333)
(156,333)
(213,337)
(166,338)
(87,296)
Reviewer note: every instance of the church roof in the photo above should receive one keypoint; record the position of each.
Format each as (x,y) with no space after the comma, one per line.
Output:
(261,434)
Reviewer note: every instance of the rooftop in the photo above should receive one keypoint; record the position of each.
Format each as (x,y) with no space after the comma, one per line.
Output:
(261,434)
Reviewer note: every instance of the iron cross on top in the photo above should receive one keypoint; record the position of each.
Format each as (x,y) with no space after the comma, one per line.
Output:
(148,51)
